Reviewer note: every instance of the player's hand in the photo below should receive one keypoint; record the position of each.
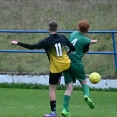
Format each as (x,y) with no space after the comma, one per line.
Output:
(14,42)
(93,41)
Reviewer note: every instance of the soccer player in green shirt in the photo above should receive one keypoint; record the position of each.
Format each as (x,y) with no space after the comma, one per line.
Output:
(76,70)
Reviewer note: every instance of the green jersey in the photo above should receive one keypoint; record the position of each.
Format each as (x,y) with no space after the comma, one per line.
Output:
(81,43)
(76,70)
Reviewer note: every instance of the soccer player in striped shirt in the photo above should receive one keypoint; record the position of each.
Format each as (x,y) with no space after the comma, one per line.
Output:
(55,47)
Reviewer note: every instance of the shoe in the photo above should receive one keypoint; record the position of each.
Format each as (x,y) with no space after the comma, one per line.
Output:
(52,114)
(89,102)
(65,113)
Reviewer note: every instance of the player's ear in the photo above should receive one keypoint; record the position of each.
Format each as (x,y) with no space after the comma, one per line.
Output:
(48,29)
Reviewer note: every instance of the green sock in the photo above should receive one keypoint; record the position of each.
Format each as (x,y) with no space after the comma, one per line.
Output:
(85,88)
(66,102)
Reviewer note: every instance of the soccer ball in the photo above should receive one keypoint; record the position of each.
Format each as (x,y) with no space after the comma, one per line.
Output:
(94,78)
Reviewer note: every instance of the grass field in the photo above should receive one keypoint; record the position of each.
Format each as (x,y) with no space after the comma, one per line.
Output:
(34,103)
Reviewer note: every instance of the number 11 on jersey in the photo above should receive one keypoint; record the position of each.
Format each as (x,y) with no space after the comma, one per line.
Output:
(58,49)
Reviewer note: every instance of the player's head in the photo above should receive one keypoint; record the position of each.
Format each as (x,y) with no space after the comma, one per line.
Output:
(83,26)
(53,26)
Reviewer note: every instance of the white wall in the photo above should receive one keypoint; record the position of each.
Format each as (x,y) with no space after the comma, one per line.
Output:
(44,80)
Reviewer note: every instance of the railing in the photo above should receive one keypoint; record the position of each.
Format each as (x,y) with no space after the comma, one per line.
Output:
(62,31)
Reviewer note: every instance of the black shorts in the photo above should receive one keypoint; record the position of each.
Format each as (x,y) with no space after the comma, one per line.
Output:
(54,78)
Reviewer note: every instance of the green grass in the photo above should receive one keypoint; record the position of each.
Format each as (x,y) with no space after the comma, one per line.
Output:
(45,87)
(35,103)
(35,14)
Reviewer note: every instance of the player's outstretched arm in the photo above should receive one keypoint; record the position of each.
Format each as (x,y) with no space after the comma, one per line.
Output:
(28,46)
(93,41)
(86,47)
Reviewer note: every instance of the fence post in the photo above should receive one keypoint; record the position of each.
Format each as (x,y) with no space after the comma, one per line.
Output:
(114,49)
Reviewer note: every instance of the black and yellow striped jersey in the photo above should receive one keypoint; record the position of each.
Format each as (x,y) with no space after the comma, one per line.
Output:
(55,47)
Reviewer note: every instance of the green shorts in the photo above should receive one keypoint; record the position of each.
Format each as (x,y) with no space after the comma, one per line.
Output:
(75,72)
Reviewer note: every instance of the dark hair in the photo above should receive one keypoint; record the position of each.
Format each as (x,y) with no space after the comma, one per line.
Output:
(53,26)
(83,26)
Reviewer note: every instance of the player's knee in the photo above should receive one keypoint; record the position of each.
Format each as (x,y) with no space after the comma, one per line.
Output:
(52,87)
(83,82)
(69,89)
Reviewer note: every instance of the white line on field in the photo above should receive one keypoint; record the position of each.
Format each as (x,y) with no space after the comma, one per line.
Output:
(14,107)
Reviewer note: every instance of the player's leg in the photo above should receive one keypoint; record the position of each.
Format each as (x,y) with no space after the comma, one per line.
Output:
(86,91)
(67,95)
(85,87)
(52,95)
(79,73)
(69,88)
(53,81)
